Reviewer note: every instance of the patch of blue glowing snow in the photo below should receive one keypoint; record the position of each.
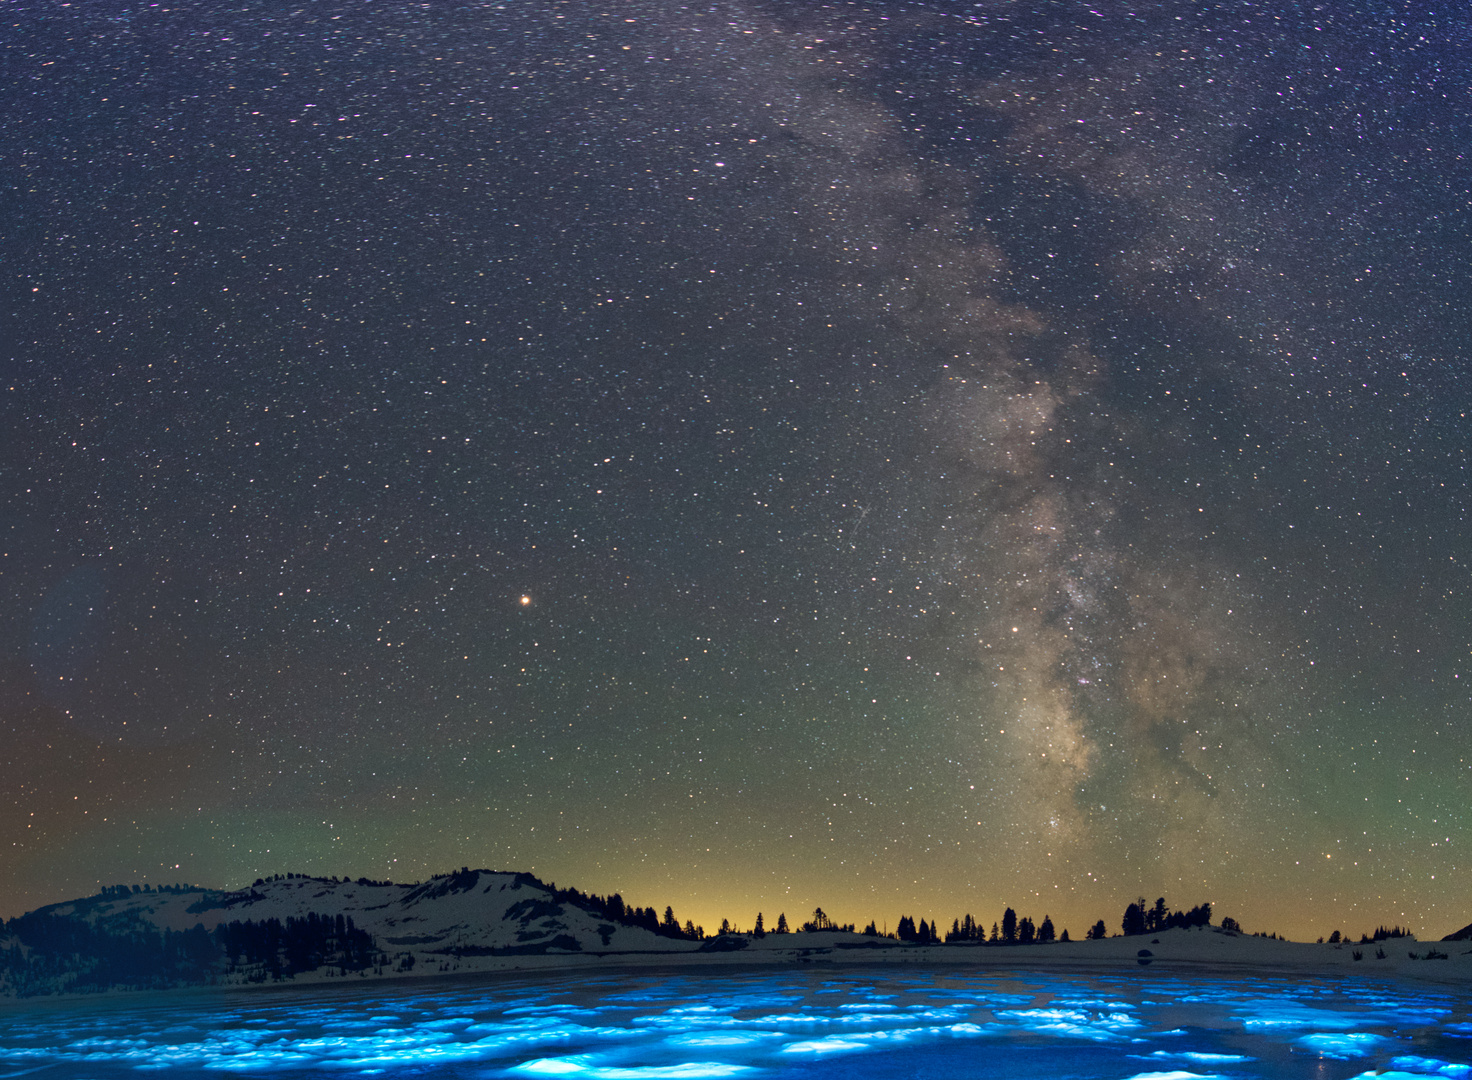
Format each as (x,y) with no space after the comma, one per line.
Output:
(869,1040)
(1342,1045)
(723,1038)
(1200,1057)
(1277,1015)
(1074,1023)
(1431,1066)
(1092,1003)
(586,1066)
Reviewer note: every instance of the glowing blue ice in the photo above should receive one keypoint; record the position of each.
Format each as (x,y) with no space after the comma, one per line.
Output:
(1201,1058)
(1346,1045)
(693,1070)
(1431,1066)
(1073,1023)
(1132,1024)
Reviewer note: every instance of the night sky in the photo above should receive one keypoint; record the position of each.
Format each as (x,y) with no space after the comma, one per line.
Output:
(899,457)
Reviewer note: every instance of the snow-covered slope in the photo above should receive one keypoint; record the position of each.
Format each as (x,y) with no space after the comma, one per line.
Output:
(476,911)
(472,912)
(484,921)
(472,920)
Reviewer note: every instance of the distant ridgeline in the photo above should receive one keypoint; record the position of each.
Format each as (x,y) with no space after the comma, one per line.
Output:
(120,938)
(141,937)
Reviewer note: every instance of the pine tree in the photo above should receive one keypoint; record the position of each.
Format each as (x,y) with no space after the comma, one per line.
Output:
(782,923)
(1045,932)
(1134,918)
(1159,915)
(758,931)
(1009,926)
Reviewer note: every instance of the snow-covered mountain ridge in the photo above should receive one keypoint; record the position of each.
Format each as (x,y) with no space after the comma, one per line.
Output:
(473,912)
(295,925)
(294,928)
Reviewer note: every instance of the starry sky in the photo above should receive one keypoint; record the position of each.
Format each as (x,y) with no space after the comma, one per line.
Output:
(899,457)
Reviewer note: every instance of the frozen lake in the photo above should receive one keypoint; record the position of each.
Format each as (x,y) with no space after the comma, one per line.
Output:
(1145,1023)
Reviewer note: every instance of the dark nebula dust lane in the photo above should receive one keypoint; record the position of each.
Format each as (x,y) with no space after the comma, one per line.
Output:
(898,457)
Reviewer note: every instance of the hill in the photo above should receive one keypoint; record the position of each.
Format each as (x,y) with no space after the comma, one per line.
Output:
(296,926)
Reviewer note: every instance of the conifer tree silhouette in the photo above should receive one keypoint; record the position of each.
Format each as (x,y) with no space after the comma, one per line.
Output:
(1134,918)
(1155,918)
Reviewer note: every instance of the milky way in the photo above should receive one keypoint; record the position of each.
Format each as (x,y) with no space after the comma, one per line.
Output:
(908,458)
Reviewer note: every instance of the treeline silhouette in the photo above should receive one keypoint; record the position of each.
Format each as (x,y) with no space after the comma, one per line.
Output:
(48,948)
(277,950)
(1142,919)
(615,910)
(64,953)
(1012,931)
(125,890)
(1380,934)
(1139,918)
